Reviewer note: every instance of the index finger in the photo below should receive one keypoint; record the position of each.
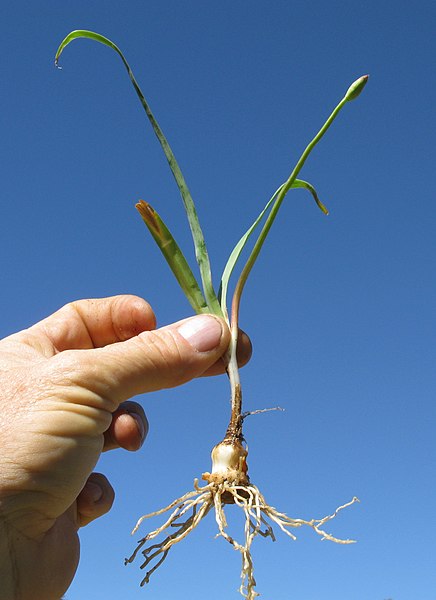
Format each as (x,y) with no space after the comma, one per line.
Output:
(96,323)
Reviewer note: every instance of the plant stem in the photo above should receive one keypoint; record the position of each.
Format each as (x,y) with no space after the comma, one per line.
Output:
(234,430)
(236,419)
(272,215)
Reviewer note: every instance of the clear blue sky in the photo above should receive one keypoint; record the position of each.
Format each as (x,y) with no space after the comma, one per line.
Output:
(341,309)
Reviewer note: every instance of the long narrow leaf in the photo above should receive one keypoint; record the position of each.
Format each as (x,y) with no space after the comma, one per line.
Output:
(197,234)
(173,255)
(236,252)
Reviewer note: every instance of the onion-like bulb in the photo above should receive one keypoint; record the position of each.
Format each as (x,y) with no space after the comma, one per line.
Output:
(229,463)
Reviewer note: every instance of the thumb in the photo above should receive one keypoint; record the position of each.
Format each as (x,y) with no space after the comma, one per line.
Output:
(153,360)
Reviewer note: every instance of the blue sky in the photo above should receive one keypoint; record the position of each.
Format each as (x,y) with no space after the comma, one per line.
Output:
(341,309)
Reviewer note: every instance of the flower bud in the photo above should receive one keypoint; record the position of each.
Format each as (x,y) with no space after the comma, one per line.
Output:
(356,88)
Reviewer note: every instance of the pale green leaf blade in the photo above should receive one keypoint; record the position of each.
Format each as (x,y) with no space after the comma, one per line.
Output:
(236,252)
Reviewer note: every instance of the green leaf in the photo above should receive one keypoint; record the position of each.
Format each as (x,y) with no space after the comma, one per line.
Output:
(236,252)
(197,234)
(299,183)
(173,255)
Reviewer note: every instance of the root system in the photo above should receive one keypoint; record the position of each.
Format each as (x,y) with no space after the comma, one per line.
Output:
(188,510)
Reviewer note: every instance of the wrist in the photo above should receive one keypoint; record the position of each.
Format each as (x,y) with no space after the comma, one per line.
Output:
(9,588)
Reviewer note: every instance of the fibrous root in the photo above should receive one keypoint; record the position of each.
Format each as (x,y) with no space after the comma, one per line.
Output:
(188,510)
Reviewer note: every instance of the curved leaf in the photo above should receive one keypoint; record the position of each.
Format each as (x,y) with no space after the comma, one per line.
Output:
(236,252)
(197,234)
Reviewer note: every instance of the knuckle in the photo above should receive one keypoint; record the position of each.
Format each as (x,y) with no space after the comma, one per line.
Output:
(166,354)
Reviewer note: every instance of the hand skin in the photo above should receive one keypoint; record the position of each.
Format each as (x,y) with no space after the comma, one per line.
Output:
(65,385)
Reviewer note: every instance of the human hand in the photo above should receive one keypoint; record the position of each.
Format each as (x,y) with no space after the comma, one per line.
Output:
(64,390)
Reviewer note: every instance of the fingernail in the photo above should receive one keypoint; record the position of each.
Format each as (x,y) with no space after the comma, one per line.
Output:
(203,332)
(140,425)
(95,492)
